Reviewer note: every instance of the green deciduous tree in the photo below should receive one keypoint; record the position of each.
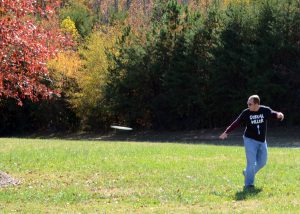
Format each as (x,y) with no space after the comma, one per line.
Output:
(80,14)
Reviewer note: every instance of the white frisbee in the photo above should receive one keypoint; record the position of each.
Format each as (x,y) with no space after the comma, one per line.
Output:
(121,128)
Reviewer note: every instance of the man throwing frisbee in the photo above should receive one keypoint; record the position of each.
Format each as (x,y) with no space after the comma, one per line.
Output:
(255,119)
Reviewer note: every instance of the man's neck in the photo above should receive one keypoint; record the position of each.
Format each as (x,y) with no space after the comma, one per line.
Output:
(256,109)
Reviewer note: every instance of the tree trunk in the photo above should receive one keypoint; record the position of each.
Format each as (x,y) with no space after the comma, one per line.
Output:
(116,5)
(128,2)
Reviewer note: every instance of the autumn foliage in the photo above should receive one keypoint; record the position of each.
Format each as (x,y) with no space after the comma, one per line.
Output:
(25,46)
(159,64)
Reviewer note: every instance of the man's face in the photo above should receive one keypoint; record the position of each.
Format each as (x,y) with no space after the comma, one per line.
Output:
(252,106)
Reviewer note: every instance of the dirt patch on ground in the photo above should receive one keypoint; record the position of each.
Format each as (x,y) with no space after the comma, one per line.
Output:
(7,180)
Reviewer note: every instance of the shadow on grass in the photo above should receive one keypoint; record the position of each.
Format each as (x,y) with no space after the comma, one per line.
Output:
(277,137)
(247,193)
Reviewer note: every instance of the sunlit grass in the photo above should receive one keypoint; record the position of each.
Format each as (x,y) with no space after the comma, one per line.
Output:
(94,176)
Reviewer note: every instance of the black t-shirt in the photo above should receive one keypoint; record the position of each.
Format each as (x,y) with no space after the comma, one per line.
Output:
(255,121)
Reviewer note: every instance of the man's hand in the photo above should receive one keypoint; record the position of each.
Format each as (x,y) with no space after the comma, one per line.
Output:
(280,116)
(223,136)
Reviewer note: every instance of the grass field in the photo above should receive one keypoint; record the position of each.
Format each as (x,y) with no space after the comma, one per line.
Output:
(61,176)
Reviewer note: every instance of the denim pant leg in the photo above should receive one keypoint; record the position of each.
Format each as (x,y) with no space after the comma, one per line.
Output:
(261,156)
(251,149)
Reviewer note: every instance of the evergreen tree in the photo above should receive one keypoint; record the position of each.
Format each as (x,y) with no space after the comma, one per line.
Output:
(233,64)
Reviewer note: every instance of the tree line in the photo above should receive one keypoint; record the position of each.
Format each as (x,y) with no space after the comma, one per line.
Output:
(178,66)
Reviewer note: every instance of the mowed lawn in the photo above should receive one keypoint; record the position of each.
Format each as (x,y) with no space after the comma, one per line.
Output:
(61,176)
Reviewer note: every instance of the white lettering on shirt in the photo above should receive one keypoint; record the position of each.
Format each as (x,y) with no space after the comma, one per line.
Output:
(257,119)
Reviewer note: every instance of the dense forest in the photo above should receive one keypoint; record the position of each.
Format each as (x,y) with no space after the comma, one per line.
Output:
(148,64)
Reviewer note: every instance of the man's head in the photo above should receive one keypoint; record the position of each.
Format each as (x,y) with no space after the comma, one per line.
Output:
(253,102)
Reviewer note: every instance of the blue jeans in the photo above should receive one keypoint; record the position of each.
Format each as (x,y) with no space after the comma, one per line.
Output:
(256,155)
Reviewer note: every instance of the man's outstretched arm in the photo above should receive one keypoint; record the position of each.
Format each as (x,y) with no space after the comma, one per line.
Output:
(230,128)
(277,115)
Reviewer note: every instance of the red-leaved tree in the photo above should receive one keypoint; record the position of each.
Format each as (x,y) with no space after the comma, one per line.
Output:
(25,47)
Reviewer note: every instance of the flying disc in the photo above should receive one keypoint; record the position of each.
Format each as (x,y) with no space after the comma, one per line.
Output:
(121,128)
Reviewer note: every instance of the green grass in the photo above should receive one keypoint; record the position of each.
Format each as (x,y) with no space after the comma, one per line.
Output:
(60,176)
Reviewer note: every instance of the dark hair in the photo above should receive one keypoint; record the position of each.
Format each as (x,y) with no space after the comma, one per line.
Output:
(255,98)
